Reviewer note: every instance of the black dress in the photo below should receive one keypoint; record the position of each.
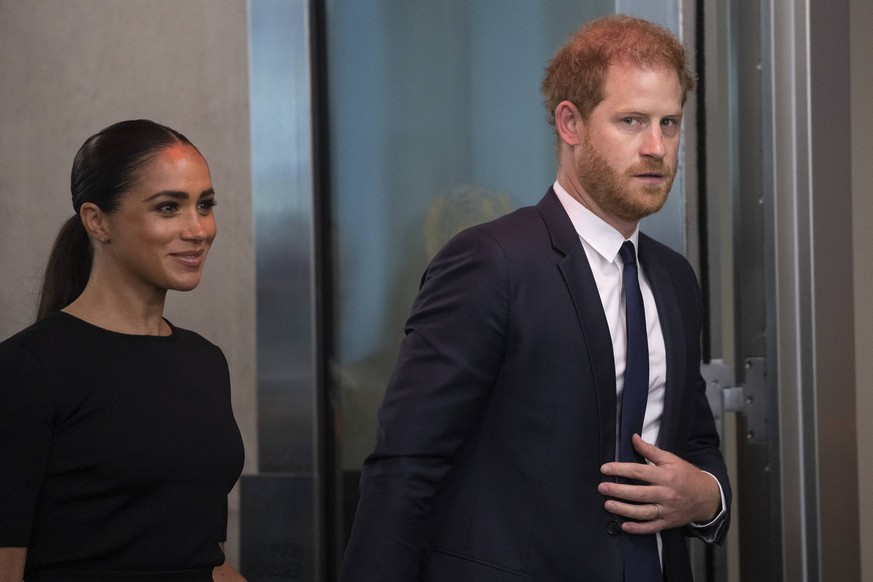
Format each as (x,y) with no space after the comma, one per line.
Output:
(117,452)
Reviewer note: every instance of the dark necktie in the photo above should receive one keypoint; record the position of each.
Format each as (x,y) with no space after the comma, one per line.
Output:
(641,563)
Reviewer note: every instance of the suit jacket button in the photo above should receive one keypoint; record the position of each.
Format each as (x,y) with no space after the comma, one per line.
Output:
(613,528)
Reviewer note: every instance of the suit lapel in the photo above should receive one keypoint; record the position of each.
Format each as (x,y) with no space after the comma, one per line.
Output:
(580,283)
(670,317)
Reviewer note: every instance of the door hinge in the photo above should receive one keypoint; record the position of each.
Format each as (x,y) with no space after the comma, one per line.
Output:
(748,399)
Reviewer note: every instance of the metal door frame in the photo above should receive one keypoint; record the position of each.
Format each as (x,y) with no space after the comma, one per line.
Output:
(804,218)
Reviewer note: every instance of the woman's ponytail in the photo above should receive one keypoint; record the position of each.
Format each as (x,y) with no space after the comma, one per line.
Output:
(67,270)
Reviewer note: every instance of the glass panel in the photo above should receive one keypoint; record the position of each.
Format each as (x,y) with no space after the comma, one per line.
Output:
(437,123)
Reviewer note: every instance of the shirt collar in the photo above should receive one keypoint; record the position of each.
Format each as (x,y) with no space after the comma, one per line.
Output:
(599,235)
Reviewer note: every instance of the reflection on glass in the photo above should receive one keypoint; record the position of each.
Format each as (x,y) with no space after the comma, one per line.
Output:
(437,123)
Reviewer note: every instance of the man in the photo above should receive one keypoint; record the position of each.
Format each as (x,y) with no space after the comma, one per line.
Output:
(503,452)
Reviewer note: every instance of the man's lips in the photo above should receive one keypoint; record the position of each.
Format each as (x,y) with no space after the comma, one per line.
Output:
(654,171)
(650,177)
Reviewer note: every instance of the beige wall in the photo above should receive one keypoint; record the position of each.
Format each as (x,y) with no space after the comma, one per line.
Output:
(862,179)
(71,67)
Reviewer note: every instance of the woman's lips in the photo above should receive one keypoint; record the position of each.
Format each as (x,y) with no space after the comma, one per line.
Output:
(189,258)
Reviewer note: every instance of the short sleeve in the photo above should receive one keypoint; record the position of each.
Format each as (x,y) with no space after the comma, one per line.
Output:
(25,439)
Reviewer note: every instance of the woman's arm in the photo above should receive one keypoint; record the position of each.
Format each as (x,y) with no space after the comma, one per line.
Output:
(12,564)
(223,573)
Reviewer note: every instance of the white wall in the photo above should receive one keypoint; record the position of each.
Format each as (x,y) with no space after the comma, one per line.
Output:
(862,186)
(68,68)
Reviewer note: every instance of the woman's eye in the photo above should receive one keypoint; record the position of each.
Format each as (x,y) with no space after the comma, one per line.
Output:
(167,207)
(207,205)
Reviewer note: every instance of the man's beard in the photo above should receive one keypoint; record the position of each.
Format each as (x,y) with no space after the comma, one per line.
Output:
(617,194)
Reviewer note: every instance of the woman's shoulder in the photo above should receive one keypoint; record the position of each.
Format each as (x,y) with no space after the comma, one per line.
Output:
(52,329)
(188,334)
(193,339)
(32,352)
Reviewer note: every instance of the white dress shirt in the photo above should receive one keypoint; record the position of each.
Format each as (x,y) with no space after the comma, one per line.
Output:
(601,243)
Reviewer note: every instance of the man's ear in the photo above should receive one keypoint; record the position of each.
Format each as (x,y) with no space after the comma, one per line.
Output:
(569,123)
(94,221)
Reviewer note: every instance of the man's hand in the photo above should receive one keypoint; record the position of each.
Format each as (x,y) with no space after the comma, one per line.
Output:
(677,493)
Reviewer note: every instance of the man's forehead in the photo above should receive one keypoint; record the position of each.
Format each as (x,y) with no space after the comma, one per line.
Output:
(628,82)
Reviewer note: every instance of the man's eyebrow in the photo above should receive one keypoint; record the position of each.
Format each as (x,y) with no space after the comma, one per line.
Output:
(636,113)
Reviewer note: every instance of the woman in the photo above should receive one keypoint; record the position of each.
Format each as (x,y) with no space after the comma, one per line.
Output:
(118,445)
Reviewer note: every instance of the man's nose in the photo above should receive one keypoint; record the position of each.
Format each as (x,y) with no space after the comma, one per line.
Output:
(654,146)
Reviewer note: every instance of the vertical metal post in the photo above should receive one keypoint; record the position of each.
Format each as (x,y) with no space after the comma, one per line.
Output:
(280,513)
(813,336)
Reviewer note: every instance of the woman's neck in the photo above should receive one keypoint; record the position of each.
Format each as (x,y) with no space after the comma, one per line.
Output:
(121,312)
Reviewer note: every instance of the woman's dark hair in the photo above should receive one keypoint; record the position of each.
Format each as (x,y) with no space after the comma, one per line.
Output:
(106,167)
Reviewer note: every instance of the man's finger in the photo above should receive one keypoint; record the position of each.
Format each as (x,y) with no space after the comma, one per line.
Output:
(635,471)
(652,453)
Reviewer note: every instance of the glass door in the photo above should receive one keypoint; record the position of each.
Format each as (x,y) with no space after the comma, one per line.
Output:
(436,123)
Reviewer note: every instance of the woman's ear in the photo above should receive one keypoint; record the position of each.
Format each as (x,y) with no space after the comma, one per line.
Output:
(95,222)
(569,123)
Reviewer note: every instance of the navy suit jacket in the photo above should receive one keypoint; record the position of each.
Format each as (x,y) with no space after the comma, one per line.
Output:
(502,408)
